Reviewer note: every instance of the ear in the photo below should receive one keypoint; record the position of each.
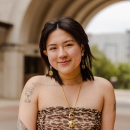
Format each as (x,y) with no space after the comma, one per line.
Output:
(82,48)
(45,52)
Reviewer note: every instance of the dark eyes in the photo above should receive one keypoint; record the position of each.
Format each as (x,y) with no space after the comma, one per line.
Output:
(53,48)
(67,45)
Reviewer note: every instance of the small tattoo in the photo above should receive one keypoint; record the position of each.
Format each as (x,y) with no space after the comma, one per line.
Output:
(114,108)
(45,84)
(21,125)
(54,84)
(28,93)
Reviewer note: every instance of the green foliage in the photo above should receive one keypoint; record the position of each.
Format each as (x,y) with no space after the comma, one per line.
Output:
(103,67)
(124,75)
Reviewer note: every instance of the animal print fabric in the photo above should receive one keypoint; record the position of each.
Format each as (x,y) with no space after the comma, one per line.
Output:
(56,118)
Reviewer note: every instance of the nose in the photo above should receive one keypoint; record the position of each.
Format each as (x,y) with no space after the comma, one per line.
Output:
(62,53)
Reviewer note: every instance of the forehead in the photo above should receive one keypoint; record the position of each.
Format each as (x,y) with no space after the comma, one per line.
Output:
(58,35)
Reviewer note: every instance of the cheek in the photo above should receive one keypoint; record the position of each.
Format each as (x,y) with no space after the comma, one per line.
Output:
(52,57)
(76,54)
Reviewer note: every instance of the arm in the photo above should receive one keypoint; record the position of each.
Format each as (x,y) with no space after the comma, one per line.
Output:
(28,107)
(109,107)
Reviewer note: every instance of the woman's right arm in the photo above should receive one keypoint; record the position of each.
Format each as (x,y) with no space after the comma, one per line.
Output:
(28,107)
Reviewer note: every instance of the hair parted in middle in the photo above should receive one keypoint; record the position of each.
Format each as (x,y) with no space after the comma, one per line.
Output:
(72,27)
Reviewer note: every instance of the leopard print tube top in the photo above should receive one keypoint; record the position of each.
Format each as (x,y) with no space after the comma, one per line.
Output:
(56,118)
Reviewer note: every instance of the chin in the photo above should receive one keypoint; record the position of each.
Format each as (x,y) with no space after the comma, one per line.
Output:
(66,71)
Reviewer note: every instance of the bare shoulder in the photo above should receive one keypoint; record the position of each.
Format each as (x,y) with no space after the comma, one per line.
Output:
(101,80)
(104,85)
(36,79)
(30,91)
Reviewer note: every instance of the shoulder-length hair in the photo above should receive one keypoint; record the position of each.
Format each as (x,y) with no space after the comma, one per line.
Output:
(76,30)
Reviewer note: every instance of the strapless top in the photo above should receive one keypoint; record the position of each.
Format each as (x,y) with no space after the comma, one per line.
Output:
(57,118)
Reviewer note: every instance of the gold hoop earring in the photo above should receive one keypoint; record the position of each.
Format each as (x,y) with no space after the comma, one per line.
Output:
(50,71)
(83,65)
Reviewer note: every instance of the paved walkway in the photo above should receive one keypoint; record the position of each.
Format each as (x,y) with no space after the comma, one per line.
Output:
(123,110)
(9,112)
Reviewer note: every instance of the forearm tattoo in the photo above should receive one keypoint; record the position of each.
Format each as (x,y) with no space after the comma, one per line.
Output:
(21,125)
(28,93)
(114,107)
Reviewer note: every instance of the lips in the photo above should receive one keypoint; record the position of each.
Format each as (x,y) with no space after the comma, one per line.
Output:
(64,62)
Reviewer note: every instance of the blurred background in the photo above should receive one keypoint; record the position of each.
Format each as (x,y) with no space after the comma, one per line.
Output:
(107,24)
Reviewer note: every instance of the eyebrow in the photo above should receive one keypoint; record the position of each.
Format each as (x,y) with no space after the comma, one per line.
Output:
(53,44)
(68,40)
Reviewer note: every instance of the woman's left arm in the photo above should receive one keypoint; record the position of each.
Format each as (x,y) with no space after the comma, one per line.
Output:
(109,107)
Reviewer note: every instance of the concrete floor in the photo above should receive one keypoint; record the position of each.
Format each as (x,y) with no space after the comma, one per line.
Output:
(9,112)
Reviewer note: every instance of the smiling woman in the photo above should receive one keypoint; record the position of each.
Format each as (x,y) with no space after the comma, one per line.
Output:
(69,96)
(61,50)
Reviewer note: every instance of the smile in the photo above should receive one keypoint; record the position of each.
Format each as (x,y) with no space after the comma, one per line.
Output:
(64,62)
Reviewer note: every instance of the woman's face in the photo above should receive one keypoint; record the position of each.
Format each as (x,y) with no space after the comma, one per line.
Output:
(63,51)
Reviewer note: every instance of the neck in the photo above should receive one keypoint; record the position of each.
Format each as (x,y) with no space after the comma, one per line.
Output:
(71,79)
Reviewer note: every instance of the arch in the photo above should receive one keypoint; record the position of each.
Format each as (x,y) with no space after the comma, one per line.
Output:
(16,16)
(41,11)
(55,10)
(87,17)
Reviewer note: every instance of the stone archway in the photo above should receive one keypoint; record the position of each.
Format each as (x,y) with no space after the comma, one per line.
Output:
(28,18)
(41,11)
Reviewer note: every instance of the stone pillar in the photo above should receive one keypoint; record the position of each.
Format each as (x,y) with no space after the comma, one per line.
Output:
(1,73)
(12,71)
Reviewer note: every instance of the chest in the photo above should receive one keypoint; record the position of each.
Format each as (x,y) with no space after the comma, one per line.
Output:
(54,96)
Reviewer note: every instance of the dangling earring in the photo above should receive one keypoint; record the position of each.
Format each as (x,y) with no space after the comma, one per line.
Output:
(50,71)
(83,64)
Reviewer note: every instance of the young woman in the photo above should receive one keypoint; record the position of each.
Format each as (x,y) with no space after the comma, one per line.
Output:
(69,96)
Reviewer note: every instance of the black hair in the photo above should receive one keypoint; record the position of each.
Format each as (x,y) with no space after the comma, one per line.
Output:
(76,30)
